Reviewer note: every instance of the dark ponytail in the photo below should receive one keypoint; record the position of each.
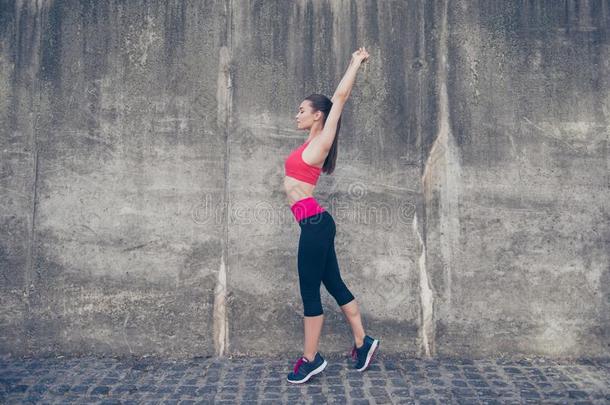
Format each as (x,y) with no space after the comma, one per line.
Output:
(320,102)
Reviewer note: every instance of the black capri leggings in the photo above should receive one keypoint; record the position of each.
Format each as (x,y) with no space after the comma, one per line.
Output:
(317,262)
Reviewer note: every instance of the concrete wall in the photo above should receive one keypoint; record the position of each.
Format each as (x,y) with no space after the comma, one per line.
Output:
(516,185)
(142,148)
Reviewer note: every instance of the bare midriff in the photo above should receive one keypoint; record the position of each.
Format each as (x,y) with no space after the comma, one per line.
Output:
(297,190)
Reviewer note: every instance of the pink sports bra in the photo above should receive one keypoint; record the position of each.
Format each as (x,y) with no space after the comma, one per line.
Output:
(296,167)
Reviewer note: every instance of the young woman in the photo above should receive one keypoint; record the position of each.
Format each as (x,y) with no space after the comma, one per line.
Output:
(317,261)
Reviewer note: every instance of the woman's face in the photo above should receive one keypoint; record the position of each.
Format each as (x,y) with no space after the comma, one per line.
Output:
(306,116)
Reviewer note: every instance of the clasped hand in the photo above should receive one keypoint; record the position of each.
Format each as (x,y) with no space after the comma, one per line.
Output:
(361,55)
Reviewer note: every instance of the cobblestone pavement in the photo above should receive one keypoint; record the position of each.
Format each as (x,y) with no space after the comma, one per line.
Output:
(389,380)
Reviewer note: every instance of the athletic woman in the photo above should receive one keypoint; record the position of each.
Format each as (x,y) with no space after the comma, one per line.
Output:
(317,261)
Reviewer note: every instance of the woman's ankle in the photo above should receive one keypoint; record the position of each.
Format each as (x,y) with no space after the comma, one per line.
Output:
(310,358)
(359,342)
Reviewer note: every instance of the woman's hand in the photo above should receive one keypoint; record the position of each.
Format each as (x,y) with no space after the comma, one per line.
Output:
(360,56)
(347,82)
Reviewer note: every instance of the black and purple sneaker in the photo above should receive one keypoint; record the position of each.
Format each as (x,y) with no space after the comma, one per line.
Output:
(305,369)
(364,354)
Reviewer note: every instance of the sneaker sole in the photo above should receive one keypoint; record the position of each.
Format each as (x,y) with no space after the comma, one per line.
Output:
(369,356)
(311,374)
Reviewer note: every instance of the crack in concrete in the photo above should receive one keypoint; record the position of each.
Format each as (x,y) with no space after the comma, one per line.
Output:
(29,283)
(440,181)
(223,117)
(125,334)
(426,331)
(220,311)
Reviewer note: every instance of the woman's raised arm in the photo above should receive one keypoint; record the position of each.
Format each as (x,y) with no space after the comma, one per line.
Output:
(344,88)
(340,97)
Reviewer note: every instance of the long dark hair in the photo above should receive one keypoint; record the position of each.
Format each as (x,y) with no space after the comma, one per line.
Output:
(320,102)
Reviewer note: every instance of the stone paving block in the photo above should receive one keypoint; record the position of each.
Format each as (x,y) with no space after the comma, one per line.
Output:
(214,381)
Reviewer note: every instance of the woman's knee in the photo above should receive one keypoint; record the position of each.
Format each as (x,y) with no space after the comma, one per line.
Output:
(344,298)
(350,310)
(312,308)
(340,292)
(312,302)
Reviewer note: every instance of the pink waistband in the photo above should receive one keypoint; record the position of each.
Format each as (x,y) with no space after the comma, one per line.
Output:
(306,208)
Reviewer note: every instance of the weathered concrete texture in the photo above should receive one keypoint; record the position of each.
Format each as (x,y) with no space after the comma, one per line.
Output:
(110,144)
(517,189)
(142,157)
